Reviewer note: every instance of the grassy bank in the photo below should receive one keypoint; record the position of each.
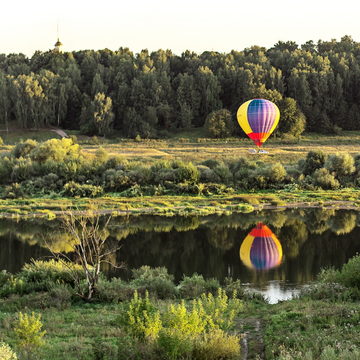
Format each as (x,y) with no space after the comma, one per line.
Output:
(322,324)
(182,205)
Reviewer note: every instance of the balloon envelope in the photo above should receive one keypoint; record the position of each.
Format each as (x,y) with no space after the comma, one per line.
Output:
(261,250)
(258,118)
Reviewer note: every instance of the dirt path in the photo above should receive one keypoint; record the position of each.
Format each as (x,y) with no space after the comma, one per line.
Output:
(252,338)
(61,133)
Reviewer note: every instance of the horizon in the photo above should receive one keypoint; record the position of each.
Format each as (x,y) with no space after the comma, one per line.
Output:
(192,26)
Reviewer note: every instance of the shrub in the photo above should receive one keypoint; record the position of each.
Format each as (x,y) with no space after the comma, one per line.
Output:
(217,345)
(58,150)
(340,164)
(13,191)
(223,172)
(173,345)
(60,296)
(219,123)
(74,189)
(207,174)
(329,291)
(350,273)
(142,318)
(103,350)
(189,323)
(6,353)
(192,286)
(221,309)
(28,331)
(156,280)
(24,148)
(44,273)
(1,141)
(114,291)
(314,160)
(186,172)
(324,179)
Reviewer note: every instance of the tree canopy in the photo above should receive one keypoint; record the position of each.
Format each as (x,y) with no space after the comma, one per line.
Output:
(148,94)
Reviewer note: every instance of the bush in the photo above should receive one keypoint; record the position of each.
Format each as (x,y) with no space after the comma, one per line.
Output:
(143,318)
(156,280)
(28,331)
(58,150)
(42,275)
(103,350)
(60,296)
(340,164)
(314,160)
(219,123)
(274,173)
(350,273)
(325,180)
(1,141)
(221,309)
(24,148)
(114,291)
(6,353)
(217,345)
(173,345)
(13,191)
(192,286)
(74,189)
(326,291)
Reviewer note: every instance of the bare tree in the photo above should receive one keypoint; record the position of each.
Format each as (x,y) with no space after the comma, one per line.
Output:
(88,231)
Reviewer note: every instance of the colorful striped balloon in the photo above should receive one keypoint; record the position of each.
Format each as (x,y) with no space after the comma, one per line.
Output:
(261,250)
(258,118)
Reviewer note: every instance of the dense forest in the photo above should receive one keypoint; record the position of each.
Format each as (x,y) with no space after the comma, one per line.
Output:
(152,94)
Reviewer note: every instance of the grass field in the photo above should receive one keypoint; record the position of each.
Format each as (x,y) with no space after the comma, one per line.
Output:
(193,146)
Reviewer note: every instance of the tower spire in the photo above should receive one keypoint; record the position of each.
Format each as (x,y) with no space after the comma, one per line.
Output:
(58,43)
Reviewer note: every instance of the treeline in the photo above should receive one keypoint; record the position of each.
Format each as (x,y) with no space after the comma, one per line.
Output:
(60,167)
(150,94)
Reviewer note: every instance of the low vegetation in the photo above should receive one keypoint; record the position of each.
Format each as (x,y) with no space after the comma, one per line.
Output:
(60,168)
(141,318)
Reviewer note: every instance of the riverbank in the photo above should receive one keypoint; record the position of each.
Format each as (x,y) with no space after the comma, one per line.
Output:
(323,323)
(51,207)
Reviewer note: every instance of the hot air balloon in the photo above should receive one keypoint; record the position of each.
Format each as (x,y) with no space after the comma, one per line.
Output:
(258,118)
(261,250)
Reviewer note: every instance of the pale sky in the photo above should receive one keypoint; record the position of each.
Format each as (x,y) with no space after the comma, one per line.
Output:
(219,25)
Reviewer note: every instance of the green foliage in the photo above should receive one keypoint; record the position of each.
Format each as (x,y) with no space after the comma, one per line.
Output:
(28,330)
(43,276)
(340,164)
(143,318)
(173,345)
(217,345)
(6,353)
(24,148)
(52,270)
(293,121)
(195,285)
(56,150)
(156,281)
(324,179)
(74,189)
(114,290)
(314,160)
(350,273)
(219,124)
(221,309)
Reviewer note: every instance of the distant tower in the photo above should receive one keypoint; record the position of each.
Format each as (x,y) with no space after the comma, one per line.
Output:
(58,44)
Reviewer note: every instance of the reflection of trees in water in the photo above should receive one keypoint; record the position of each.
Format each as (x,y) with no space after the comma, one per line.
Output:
(343,223)
(310,239)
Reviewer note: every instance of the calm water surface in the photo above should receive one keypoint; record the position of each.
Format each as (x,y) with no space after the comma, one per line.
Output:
(273,252)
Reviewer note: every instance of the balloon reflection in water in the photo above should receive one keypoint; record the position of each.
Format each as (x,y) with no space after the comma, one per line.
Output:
(261,250)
